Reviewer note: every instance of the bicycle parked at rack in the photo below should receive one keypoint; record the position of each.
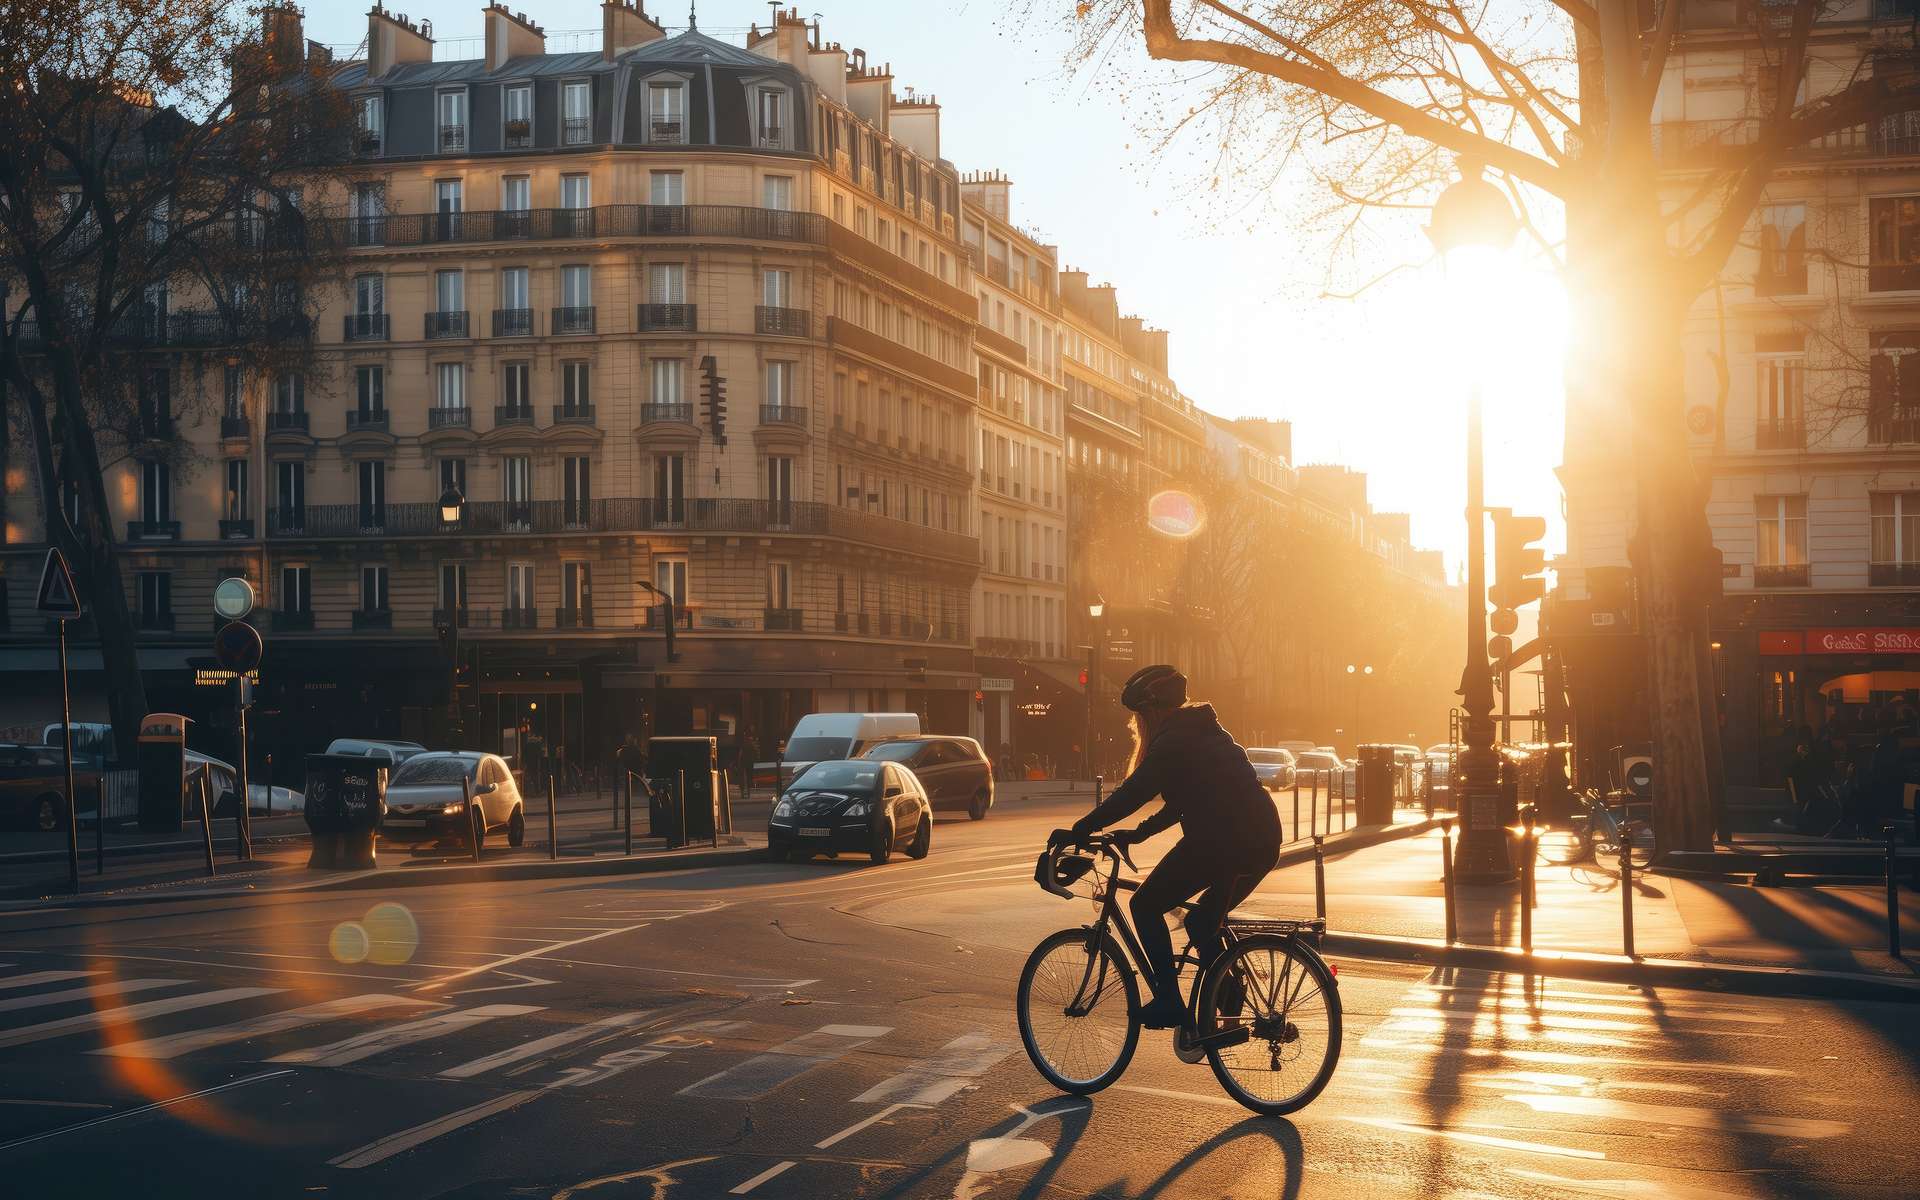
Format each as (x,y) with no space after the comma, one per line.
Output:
(1601,830)
(1265,1015)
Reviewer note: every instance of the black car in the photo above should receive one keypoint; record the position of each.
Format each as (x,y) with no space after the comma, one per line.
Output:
(954,770)
(33,788)
(854,804)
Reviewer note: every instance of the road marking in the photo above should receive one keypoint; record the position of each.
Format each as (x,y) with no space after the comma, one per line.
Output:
(1563,1058)
(201,962)
(857,1126)
(788,1061)
(552,1041)
(366,1045)
(1683,1115)
(526,981)
(86,993)
(444,980)
(959,1063)
(1169,1094)
(742,980)
(407,1139)
(132,1012)
(293,1018)
(761,1178)
(1477,1139)
(39,977)
(145,1108)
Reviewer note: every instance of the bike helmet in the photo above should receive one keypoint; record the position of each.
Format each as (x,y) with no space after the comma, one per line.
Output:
(1158,686)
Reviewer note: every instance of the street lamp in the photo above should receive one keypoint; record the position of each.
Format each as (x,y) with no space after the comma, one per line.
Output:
(1472,218)
(451,504)
(1095,610)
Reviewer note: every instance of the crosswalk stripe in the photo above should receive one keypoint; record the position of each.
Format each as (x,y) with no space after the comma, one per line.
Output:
(118,986)
(958,1064)
(366,1045)
(39,977)
(101,1018)
(407,1139)
(174,1045)
(552,1041)
(788,1061)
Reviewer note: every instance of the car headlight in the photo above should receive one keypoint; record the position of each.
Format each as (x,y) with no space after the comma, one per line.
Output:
(453,806)
(784,808)
(857,809)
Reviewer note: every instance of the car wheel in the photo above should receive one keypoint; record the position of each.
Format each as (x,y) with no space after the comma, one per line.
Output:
(46,814)
(882,844)
(922,839)
(779,854)
(517,828)
(981,803)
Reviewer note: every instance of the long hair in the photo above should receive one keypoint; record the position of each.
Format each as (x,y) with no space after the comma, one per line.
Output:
(1144,725)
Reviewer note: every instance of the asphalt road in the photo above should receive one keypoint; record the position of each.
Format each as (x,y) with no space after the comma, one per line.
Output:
(841,1030)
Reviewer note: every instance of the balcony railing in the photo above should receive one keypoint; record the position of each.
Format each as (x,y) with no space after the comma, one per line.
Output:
(1782,575)
(367,327)
(366,142)
(284,619)
(573,414)
(512,414)
(674,317)
(650,413)
(1887,423)
(1780,435)
(153,531)
(574,131)
(155,622)
(772,137)
(236,529)
(519,618)
(1902,574)
(666,131)
(455,617)
(573,618)
(788,620)
(785,322)
(517,135)
(783,414)
(453,138)
(370,421)
(286,422)
(513,322)
(448,324)
(373,618)
(575,319)
(607,220)
(450,418)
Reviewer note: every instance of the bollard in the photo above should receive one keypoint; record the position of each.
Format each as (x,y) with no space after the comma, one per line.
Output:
(1296,805)
(553,822)
(206,823)
(1626,890)
(627,791)
(269,785)
(680,809)
(1528,815)
(476,828)
(1446,878)
(1319,878)
(1526,893)
(1893,895)
(1099,785)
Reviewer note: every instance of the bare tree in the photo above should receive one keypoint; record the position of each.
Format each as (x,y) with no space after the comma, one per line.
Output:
(155,152)
(1557,101)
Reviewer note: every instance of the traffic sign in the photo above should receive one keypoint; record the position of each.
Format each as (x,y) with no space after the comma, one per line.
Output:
(1499,648)
(232,598)
(57,598)
(238,646)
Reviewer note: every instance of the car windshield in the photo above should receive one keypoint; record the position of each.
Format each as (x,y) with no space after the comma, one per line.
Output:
(817,749)
(432,770)
(1274,757)
(893,751)
(839,775)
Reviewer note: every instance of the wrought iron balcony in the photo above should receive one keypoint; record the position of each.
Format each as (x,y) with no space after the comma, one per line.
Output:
(292,619)
(235,427)
(373,618)
(573,414)
(287,422)
(519,618)
(576,319)
(667,317)
(450,418)
(447,324)
(367,327)
(153,531)
(784,620)
(786,322)
(517,135)
(1889,423)
(513,322)
(454,617)
(667,131)
(236,529)
(1780,435)
(512,414)
(606,220)
(453,138)
(650,413)
(574,131)
(1782,575)
(783,414)
(1902,574)
(366,142)
(573,618)
(370,421)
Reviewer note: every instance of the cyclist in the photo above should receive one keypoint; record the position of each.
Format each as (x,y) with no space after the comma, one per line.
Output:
(1230,830)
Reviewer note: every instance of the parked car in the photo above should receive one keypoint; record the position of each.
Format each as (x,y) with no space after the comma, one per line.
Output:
(92,742)
(424,799)
(1435,772)
(33,787)
(1318,761)
(864,804)
(395,751)
(1273,766)
(1295,748)
(953,770)
(820,737)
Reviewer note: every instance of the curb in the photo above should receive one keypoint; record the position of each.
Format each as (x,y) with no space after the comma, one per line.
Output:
(1646,972)
(1359,837)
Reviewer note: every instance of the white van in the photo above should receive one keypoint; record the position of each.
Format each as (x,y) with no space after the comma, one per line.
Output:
(819,737)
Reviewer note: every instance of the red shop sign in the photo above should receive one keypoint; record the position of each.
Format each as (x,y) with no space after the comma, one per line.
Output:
(1781,643)
(1863,641)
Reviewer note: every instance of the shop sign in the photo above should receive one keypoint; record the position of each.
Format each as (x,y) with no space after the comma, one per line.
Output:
(1037,708)
(1782,643)
(221,677)
(990,684)
(1863,641)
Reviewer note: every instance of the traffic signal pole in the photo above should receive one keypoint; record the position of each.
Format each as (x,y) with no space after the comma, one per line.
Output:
(1481,855)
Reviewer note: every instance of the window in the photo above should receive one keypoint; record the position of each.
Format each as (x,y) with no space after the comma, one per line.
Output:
(453,588)
(776,192)
(779,586)
(1778,412)
(576,591)
(666,113)
(516,480)
(513,289)
(156,493)
(369,296)
(1894,263)
(576,477)
(1893,389)
(290,393)
(1780,542)
(576,287)
(296,589)
(666,381)
(453,474)
(519,590)
(232,394)
(779,386)
(667,283)
(516,116)
(516,389)
(449,199)
(575,396)
(576,112)
(770,105)
(669,487)
(290,493)
(667,187)
(452,107)
(1783,250)
(576,191)
(450,385)
(233,504)
(776,287)
(156,599)
(1896,538)
(780,489)
(373,494)
(450,290)
(368,122)
(369,391)
(373,589)
(670,576)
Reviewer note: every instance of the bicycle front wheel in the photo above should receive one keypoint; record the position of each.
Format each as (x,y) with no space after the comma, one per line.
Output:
(1282,994)
(1079,1010)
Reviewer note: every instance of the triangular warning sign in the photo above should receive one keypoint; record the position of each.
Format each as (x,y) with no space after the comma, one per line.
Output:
(58,597)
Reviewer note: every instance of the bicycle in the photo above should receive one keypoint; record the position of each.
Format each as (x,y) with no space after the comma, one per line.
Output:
(1599,832)
(1266,1015)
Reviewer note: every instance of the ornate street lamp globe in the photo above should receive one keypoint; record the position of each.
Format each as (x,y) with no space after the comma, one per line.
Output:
(451,502)
(1472,213)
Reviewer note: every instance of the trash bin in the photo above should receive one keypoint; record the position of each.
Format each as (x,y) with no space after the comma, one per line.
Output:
(162,765)
(1376,775)
(699,759)
(346,799)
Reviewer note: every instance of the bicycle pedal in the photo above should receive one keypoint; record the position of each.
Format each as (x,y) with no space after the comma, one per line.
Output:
(1187,1050)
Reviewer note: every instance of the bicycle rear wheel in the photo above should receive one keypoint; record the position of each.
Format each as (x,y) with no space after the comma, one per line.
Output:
(1291,1014)
(1078,1008)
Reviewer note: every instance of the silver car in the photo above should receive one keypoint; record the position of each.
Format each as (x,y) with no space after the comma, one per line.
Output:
(1272,766)
(425,800)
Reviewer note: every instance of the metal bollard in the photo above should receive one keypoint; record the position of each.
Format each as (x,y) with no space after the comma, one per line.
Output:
(553,822)
(628,791)
(269,785)
(1526,892)
(1626,890)
(680,807)
(1296,805)
(476,825)
(206,823)
(1319,877)
(1893,895)
(1099,785)
(1446,879)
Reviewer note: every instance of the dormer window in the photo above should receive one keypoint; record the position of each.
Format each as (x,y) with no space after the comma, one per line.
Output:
(770,125)
(516,132)
(367,124)
(666,113)
(452,107)
(576,113)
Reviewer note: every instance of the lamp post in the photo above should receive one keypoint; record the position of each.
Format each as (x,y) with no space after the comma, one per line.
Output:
(1095,637)
(1359,673)
(1472,215)
(447,626)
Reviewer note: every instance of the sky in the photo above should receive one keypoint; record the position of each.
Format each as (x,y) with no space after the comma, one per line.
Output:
(1378,383)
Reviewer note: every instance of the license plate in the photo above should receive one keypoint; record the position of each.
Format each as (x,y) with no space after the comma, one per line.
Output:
(814,831)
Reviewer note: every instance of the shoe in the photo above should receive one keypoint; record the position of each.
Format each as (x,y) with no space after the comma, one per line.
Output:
(1161,1014)
(1232,996)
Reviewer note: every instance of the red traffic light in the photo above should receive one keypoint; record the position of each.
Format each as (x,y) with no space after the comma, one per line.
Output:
(1083,677)
(979,696)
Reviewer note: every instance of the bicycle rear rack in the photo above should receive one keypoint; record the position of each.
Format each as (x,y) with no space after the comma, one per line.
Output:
(1310,929)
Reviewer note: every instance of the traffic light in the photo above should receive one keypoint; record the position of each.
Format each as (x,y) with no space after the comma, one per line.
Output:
(714,394)
(979,701)
(1083,677)
(1517,579)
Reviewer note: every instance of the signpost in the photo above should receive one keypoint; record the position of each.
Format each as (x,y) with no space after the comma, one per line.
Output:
(238,648)
(60,600)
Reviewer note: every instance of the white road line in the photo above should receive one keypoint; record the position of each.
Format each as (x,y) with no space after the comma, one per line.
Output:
(145,1108)
(239,1031)
(957,1065)
(132,1012)
(788,1061)
(115,987)
(198,962)
(1477,1139)
(39,977)
(366,1045)
(1684,1116)
(759,1179)
(444,980)
(857,1126)
(407,1139)
(552,1041)
(742,980)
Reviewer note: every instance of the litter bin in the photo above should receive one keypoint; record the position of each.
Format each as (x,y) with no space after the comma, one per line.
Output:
(162,764)
(1376,771)
(346,798)
(699,759)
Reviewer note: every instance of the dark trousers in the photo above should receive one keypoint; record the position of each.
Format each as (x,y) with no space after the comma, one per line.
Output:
(1224,876)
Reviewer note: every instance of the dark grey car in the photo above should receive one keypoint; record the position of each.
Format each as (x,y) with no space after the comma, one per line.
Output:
(954,770)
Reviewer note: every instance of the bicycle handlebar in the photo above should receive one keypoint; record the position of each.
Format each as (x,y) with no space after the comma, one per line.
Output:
(1046,870)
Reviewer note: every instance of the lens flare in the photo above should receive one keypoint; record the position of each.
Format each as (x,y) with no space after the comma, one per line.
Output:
(392,934)
(1175,514)
(348,943)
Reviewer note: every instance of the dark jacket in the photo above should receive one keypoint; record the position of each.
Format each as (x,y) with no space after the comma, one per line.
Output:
(1204,781)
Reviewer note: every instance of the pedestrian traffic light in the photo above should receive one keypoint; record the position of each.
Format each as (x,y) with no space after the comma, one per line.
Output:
(714,393)
(1517,579)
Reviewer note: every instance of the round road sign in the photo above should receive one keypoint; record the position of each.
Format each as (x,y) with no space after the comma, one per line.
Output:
(238,646)
(232,598)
